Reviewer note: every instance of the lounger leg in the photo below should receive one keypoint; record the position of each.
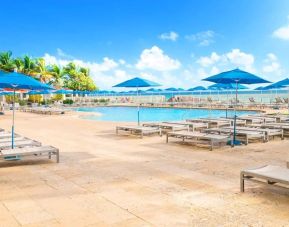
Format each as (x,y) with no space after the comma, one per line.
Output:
(212,144)
(57,156)
(242,183)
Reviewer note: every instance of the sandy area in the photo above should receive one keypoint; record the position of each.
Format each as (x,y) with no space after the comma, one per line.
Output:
(108,180)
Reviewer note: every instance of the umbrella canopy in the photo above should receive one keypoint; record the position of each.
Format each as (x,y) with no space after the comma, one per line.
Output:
(63,92)
(280,84)
(171,89)
(230,86)
(20,81)
(44,92)
(236,76)
(259,88)
(137,82)
(198,88)
(152,90)
(6,93)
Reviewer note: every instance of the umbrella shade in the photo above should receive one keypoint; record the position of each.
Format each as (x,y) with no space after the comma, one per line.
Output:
(171,89)
(198,88)
(236,76)
(259,88)
(63,92)
(152,90)
(226,86)
(280,84)
(137,82)
(44,92)
(20,81)
(6,93)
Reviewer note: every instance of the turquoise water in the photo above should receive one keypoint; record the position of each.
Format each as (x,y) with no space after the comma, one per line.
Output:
(129,114)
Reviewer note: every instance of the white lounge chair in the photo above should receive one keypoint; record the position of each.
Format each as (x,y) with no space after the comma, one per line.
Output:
(139,130)
(167,127)
(20,144)
(19,153)
(198,138)
(269,174)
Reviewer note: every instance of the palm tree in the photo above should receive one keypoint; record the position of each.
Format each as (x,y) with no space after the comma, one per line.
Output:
(6,61)
(29,66)
(41,70)
(57,73)
(18,63)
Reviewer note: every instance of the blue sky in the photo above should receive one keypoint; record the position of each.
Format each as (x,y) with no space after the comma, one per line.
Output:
(176,43)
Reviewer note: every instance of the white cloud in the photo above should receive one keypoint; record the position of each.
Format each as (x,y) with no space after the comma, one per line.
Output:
(155,59)
(241,59)
(272,65)
(204,38)
(106,65)
(282,32)
(234,58)
(172,36)
(62,54)
(207,61)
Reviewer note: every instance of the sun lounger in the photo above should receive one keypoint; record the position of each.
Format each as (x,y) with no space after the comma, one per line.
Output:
(7,135)
(19,144)
(251,119)
(283,126)
(139,130)
(19,153)
(166,127)
(192,125)
(243,135)
(269,133)
(9,139)
(269,174)
(198,138)
(211,122)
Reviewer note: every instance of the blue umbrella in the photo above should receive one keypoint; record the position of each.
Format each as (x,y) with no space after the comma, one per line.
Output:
(137,83)
(15,81)
(259,88)
(63,92)
(230,86)
(171,89)
(280,84)
(236,76)
(198,88)
(44,92)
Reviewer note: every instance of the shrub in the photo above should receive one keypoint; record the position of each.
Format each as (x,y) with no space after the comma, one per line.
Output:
(35,98)
(68,101)
(57,97)
(23,102)
(9,99)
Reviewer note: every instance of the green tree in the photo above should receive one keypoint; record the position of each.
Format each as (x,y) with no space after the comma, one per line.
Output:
(6,61)
(29,66)
(42,71)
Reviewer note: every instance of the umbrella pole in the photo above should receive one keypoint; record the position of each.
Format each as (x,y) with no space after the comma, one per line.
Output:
(13,118)
(235,116)
(137,106)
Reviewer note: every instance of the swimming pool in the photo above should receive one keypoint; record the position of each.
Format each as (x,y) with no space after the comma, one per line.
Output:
(129,114)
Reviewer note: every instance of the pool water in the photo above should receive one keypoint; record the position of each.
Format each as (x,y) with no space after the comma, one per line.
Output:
(129,114)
